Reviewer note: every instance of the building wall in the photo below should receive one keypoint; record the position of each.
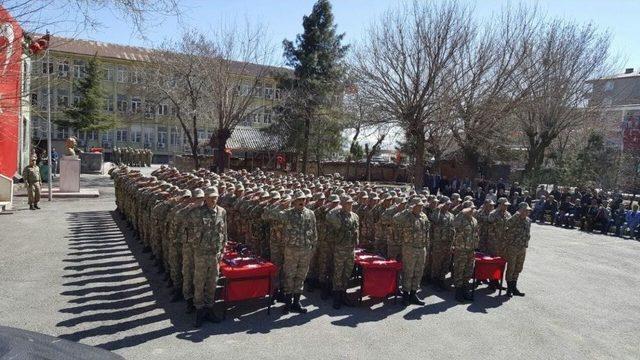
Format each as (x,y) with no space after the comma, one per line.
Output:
(141,125)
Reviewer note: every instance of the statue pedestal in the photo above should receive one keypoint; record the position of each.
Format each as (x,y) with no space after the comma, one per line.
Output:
(69,174)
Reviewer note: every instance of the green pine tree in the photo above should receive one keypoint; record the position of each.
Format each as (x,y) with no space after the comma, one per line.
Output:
(88,114)
(317,60)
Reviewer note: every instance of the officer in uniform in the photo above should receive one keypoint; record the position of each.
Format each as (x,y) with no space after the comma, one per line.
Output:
(412,226)
(326,243)
(518,235)
(497,230)
(300,238)
(441,243)
(464,244)
(31,176)
(345,226)
(208,243)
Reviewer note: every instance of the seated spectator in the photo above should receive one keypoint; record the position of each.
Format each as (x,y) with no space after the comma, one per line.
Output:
(633,222)
(590,216)
(563,208)
(538,209)
(550,209)
(575,215)
(618,219)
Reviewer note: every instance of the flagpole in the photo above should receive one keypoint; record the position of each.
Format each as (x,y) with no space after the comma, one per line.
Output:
(49,68)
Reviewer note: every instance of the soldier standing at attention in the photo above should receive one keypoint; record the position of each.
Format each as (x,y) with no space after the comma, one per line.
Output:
(483,225)
(412,227)
(394,242)
(31,176)
(441,244)
(346,226)
(465,242)
(300,237)
(497,230)
(207,253)
(326,242)
(518,234)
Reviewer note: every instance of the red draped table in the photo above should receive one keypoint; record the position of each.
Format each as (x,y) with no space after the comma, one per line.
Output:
(246,278)
(488,268)
(380,277)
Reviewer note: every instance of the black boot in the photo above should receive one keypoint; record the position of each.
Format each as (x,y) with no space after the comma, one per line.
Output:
(201,314)
(287,304)
(337,301)
(169,283)
(211,316)
(460,295)
(31,207)
(509,288)
(280,296)
(346,301)
(326,291)
(495,285)
(413,298)
(176,295)
(36,206)
(515,290)
(190,307)
(312,284)
(167,275)
(467,294)
(295,307)
(405,298)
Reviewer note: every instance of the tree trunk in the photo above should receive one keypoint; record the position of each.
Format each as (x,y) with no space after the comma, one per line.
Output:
(305,146)
(418,169)
(222,136)
(348,166)
(194,153)
(194,143)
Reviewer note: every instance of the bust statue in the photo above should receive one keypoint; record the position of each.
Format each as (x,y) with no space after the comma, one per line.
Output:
(69,147)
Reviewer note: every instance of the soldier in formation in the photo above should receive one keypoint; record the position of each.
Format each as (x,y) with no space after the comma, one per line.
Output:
(132,157)
(309,227)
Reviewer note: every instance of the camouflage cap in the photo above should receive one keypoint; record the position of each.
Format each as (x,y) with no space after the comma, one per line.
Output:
(468,204)
(503,200)
(334,198)
(274,195)
(211,191)
(455,196)
(416,201)
(347,199)
(298,194)
(198,193)
(445,200)
(185,193)
(524,205)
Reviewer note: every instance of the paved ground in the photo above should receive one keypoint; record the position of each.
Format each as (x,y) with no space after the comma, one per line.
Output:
(72,270)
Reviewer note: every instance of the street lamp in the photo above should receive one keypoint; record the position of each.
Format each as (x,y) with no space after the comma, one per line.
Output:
(35,48)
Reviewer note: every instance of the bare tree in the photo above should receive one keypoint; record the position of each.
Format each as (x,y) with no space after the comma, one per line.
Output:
(180,77)
(405,65)
(564,56)
(242,81)
(483,95)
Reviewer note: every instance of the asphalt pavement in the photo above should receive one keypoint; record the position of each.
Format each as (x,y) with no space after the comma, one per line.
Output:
(74,271)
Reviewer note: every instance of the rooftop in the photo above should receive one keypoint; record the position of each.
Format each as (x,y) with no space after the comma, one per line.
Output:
(628,73)
(130,53)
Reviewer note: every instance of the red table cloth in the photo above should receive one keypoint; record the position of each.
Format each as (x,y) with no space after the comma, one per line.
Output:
(247,278)
(379,275)
(487,267)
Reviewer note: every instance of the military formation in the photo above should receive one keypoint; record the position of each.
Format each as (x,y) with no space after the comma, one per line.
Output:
(309,228)
(132,157)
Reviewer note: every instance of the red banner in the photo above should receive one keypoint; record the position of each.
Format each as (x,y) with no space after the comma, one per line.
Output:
(10,68)
(631,132)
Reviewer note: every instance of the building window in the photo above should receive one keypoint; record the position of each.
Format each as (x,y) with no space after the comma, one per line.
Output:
(267,116)
(63,98)
(163,109)
(108,104)
(107,74)
(268,93)
(122,75)
(608,86)
(257,117)
(76,99)
(62,132)
(121,103)
(136,104)
(63,68)
(277,94)
(122,135)
(174,137)
(135,77)
(162,137)
(136,136)
(47,67)
(34,99)
(148,137)
(79,69)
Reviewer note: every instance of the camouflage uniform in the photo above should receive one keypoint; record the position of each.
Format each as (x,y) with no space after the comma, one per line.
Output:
(326,243)
(413,232)
(345,227)
(394,242)
(483,229)
(441,244)
(300,238)
(31,176)
(465,242)
(518,234)
(208,243)
(276,247)
(497,230)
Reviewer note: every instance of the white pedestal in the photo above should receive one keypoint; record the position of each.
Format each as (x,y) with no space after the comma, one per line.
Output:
(69,174)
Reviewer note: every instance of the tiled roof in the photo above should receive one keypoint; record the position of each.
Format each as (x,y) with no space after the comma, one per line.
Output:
(252,139)
(134,53)
(247,138)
